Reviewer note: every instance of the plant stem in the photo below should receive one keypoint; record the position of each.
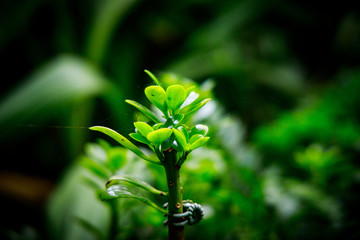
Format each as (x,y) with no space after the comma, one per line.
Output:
(174,195)
(114,219)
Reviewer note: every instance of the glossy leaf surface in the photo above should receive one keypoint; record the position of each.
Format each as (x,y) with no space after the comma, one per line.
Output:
(122,191)
(136,182)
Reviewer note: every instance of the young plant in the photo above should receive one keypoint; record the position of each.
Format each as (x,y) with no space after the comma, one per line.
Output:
(171,141)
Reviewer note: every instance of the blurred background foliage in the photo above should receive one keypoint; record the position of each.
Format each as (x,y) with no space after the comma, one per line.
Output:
(284,76)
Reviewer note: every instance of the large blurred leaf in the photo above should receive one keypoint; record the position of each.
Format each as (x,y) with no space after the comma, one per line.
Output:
(109,14)
(65,80)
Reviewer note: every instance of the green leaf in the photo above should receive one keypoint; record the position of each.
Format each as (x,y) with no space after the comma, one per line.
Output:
(122,191)
(194,107)
(140,138)
(58,85)
(143,128)
(136,182)
(175,97)
(159,136)
(199,129)
(123,141)
(153,77)
(195,137)
(199,143)
(144,110)
(157,96)
(181,139)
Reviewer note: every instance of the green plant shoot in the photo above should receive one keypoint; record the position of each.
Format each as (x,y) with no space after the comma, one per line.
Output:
(172,141)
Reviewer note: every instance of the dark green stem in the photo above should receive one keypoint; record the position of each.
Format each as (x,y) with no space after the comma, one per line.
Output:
(174,195)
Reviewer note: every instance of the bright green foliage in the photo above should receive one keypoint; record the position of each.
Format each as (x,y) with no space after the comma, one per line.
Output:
(175,97)
(157,96)
(143,128)
(171,133)
(198,143)
(167,134)
(159,136)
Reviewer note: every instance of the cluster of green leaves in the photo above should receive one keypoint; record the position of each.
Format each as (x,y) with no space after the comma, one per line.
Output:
(168,130)
(167,133)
